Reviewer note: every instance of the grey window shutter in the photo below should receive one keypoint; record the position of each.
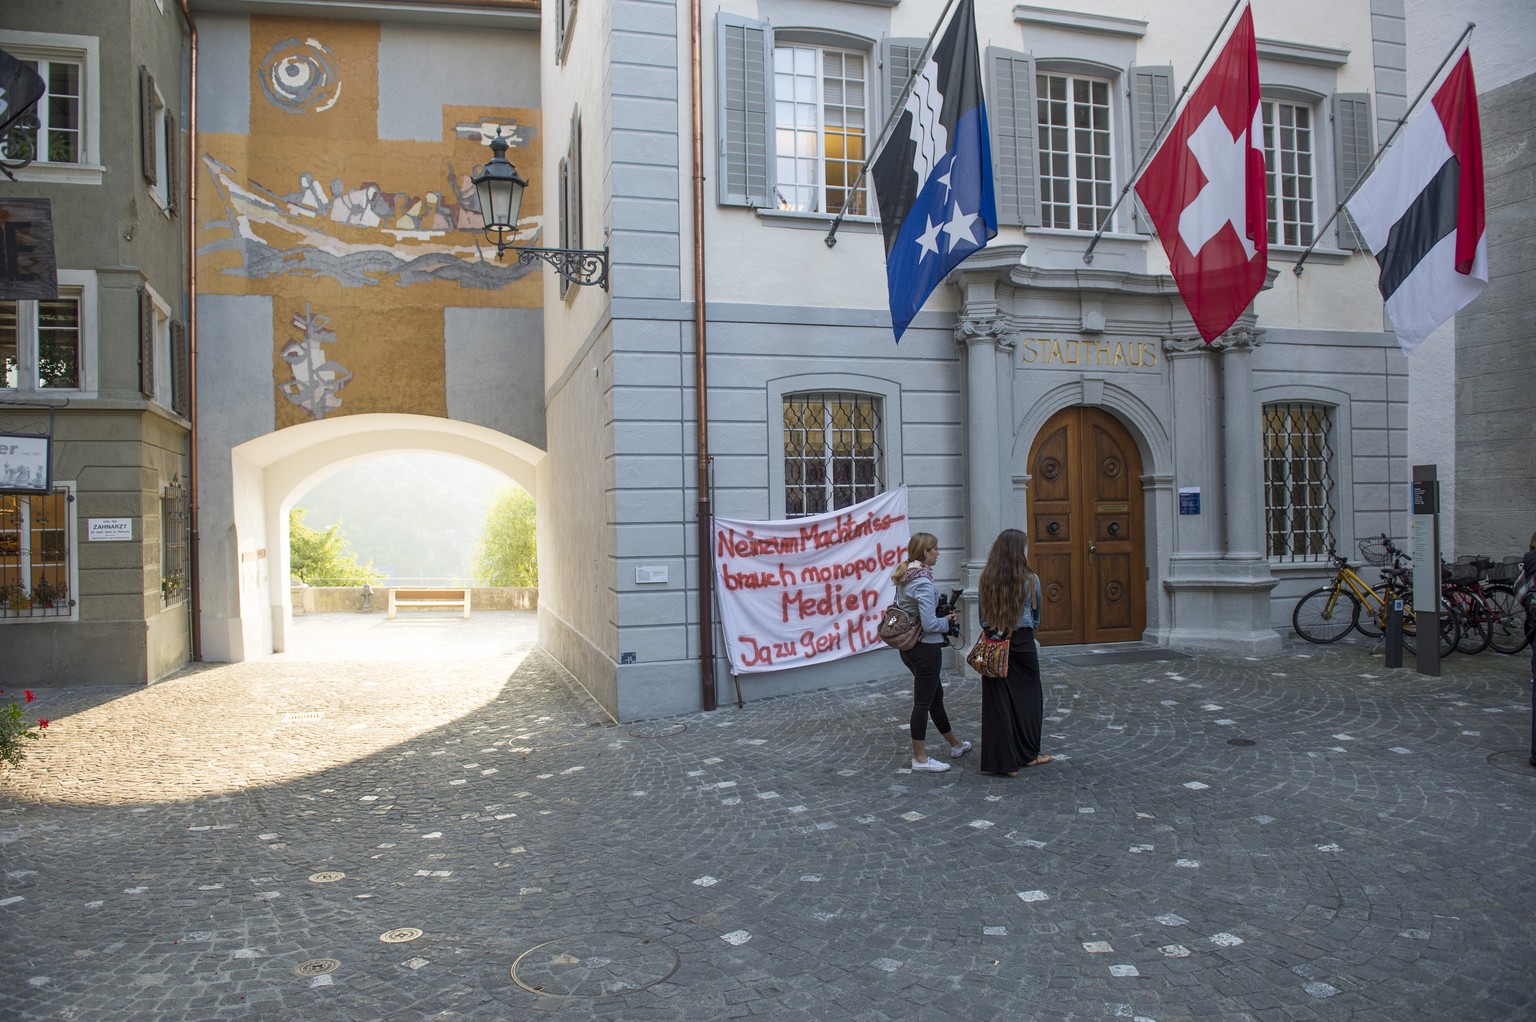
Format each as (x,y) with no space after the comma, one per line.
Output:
(744,68)
(146,343)
(1352,152)
(1015,145)
(1151,99)
(181,390)
(172,165)
(147,123)
(898,59)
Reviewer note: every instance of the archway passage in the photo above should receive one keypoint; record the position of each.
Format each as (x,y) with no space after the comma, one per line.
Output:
(247,607)
(1086,537)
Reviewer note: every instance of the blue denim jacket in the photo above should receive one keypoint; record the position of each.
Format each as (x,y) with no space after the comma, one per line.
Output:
(1029,617)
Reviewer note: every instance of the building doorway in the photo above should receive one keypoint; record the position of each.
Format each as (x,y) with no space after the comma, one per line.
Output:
(1086,538)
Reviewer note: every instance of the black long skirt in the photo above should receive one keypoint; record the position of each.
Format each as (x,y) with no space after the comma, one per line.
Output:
(1011,709)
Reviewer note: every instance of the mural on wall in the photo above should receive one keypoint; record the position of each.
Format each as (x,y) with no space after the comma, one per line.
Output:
(300,76)
(320,204)
(316,378)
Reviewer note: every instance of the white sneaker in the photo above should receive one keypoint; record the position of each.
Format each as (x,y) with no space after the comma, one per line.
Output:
(930,764)
(956,751)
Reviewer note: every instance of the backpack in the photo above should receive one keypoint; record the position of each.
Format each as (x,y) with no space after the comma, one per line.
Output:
(899,629)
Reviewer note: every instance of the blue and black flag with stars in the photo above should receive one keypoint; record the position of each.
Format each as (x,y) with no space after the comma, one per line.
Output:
(933,179)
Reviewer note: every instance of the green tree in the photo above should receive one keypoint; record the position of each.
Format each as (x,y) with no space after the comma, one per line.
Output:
(508,552)
(323,558)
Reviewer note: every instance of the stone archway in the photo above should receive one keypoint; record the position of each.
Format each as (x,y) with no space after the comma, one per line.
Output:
(245,605)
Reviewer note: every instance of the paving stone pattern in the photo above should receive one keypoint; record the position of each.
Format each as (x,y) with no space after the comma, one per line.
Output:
(172,853)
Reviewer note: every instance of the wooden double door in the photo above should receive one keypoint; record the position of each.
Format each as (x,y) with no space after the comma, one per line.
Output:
(1085,529)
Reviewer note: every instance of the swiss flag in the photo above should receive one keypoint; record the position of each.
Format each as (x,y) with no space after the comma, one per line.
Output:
(1204,189)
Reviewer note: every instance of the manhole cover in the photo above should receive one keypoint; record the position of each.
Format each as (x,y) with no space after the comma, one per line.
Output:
(1516,761)
(400,936)
(1241,741)
(316,967)
(657,730)
(594,965)
(330,876)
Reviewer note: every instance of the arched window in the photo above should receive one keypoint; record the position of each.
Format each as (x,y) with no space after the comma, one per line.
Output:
(1299,499)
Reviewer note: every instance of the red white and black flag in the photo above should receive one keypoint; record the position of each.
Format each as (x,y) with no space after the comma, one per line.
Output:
(1421,211)
(1204,189)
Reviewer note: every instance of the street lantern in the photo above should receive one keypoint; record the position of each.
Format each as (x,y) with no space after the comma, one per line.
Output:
(499,188)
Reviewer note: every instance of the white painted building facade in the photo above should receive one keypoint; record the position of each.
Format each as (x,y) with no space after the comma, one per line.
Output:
(1071,399)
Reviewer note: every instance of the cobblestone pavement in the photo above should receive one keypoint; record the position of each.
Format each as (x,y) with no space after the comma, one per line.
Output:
(430,820)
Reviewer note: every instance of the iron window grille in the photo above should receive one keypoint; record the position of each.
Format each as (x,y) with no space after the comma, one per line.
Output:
(35,555)
(833,451)
(175,531)
(1298,481)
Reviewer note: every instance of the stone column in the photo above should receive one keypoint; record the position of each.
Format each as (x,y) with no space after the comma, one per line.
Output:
(1241,429)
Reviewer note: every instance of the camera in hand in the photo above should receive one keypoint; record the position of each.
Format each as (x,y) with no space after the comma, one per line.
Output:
(950,604)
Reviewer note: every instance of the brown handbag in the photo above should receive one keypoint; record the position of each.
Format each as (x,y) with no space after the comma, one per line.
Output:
(989,657)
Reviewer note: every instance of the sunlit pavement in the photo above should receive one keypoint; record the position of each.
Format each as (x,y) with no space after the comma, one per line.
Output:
(427,819)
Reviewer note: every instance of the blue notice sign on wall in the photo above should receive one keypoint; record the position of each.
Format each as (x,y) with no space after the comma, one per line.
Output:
(1189,500)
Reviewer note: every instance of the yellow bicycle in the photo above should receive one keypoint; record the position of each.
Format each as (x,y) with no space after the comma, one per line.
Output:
(1348,602)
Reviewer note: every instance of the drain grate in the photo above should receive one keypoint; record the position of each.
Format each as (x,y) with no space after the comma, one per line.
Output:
(594,965)
(316,967)
(329,876)
(1515,761)
(401,936)
(657,731)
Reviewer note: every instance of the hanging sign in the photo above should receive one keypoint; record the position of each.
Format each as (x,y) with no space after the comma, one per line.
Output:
(24,463)
(808,590)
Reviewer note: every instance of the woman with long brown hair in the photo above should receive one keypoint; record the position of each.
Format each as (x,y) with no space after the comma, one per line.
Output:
(915,594)
(1011,707)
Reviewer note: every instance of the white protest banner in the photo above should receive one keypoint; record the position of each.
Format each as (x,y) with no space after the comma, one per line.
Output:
(808,590)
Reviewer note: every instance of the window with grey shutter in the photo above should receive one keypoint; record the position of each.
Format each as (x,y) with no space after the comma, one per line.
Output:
(172,165)
(744,105)
(1015,147)
(1151,100)
(898,59)
(181,391)
(1352,152)
(147,124)
(146,343)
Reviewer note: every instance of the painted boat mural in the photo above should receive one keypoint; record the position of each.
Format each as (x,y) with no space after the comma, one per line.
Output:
(362,236)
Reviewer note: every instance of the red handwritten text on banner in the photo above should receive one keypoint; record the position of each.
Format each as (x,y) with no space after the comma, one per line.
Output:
(808,590)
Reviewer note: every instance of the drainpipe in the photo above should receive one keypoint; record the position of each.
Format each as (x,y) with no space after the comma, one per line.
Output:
(194,587)
(701,374)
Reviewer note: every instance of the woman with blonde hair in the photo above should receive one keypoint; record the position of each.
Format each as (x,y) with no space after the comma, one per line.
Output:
(916,594)
(1011,707)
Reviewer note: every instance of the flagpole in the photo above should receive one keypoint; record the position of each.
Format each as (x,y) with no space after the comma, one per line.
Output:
(890,124)
(1092,244)
(1381,151)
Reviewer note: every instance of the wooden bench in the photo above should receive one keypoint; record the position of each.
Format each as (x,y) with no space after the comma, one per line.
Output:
(431,599)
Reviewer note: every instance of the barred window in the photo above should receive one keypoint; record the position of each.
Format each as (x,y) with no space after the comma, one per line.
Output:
(1076,171)
(1288,163)
(1298,481)
(833,451)
(35,554)
(175,527)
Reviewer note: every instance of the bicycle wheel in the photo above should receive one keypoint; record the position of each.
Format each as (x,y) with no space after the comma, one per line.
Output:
(1474,621)
(1507,620)
(1450,631)
(1325,615)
